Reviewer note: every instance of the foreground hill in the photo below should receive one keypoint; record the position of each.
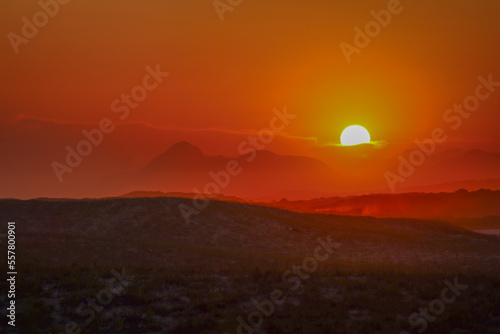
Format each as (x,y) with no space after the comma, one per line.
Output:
(202,276)
(143,230)
(472,210)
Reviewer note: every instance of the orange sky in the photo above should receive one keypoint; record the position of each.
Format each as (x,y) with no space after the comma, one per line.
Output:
(228,76)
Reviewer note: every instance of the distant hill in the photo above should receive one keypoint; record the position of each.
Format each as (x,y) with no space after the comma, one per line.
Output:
(470,185)
(452,170)
(154,194)
(456,205)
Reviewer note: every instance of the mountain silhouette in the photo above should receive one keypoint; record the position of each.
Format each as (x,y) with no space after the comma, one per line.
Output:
(184,167)
(265,175)
(181,157)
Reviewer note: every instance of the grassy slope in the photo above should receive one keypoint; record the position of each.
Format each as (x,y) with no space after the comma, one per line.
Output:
(200,277)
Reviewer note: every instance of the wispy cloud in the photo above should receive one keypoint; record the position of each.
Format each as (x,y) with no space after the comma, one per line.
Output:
(26,119)
(373,143)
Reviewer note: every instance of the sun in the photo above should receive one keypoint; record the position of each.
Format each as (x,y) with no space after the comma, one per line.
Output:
(354,135)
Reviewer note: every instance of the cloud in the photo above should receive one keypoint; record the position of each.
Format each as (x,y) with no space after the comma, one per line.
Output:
(25,119)
(373,143)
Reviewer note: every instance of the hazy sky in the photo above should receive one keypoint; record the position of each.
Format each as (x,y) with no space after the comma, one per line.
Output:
(225,78)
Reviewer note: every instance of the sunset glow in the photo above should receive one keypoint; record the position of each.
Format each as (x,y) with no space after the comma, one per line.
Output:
(157,73)
(250,166)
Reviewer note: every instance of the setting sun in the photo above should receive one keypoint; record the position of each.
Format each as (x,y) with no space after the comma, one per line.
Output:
(354,135)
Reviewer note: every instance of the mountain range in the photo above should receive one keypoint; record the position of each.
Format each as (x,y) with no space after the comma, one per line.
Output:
(264,175)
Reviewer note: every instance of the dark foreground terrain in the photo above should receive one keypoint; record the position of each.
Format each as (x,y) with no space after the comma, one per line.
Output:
(136,266)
